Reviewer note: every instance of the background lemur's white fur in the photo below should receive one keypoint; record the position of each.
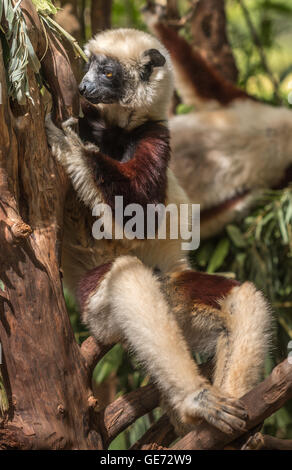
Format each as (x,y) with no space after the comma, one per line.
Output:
(236,151)
(162,317)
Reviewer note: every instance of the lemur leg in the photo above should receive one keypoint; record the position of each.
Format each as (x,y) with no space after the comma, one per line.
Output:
(242,350)
(124,301)
(233,320)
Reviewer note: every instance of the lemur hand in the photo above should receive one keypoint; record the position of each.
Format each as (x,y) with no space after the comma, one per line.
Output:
(64,142)
(225,413)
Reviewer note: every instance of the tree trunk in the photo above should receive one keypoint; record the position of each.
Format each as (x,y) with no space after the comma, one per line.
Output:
(45,376)
(100,14)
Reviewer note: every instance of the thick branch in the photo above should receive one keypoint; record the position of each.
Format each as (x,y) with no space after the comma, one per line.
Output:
(261,402)
(172,10)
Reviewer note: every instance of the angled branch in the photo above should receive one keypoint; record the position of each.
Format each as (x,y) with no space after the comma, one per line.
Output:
(93,352)
(261,402)
(125,410)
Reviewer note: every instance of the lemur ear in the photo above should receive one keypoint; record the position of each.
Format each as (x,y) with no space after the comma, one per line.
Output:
(156,58)
(151,58)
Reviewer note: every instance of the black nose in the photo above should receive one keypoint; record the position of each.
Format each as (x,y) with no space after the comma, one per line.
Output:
(82,88)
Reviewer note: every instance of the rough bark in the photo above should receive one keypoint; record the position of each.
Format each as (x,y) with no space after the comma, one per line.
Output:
(93,352)
(208,27)
(125,410)
(45,376)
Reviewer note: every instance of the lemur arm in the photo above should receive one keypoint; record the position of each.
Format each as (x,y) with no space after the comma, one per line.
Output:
(198,82)
(99,178)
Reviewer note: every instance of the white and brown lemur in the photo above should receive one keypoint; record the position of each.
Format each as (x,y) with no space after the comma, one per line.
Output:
(142,292)
(231,146)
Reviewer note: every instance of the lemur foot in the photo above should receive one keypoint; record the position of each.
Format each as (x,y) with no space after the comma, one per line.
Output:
(225,413)
(255,442)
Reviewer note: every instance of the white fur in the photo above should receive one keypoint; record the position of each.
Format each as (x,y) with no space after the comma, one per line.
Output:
(221,153)
(143,100)
(249,325)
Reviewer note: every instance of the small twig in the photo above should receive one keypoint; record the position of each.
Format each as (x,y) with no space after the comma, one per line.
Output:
(68,36)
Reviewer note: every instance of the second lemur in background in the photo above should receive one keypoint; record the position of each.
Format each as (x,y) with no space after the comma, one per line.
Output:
(142,292)
(231,147)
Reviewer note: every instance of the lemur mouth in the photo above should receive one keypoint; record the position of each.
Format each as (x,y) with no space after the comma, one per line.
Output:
(233,202)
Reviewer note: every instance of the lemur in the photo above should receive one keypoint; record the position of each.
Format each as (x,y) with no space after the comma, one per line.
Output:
(231,146)
(142,292)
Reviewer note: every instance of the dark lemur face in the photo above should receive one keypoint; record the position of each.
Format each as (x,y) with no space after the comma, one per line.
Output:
(109,81)
(104,81)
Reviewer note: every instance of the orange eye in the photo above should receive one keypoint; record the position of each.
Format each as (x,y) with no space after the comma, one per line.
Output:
(109,75)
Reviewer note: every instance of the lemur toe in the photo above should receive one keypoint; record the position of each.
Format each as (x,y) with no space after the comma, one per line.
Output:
(255,442)
(225,413)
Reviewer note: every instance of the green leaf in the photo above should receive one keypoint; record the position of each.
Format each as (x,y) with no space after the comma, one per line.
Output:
(45,6)
(236,236)
(184,108)
(219,255)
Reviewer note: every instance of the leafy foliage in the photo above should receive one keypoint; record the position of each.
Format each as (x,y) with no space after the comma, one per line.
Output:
(21,52)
